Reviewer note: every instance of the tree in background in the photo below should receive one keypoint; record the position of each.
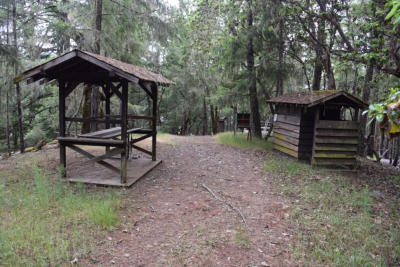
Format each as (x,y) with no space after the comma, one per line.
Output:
(221,54)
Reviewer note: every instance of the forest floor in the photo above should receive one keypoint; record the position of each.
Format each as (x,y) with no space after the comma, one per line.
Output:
(295,215)
(171,219)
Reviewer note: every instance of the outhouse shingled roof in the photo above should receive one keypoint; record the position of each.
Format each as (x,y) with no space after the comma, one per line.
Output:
(312,98)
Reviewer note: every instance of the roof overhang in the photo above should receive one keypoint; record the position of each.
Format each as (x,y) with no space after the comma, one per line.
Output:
(72,66)
(358,102)
(310,100)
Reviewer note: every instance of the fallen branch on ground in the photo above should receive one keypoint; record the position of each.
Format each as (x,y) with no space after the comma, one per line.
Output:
(228,204)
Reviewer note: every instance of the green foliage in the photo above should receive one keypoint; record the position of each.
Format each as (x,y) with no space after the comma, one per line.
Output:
(394,14)
(240,140)
(387,109)
(338,221)
(34,135)
(288,167)
(45,222)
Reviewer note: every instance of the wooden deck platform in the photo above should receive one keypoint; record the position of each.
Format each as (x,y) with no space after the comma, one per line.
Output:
(136,169)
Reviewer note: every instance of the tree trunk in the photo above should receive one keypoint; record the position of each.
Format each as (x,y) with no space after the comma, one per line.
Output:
(86,108)
(1,102)
(15,138)
(254,110)
(204,118)
(355,78)
(329,71)
(95,99)
(318,65)
(279,80)
(18,89)
(8,124)
(213,118)
(234,119)
(365,96)
(316,85)
(99,16)
(7,97)
(92,94)
(65,43)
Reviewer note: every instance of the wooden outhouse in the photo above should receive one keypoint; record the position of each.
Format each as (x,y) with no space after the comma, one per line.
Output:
(321,127)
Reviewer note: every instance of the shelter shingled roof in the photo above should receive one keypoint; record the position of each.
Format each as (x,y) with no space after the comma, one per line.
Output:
(139,72)
(119,68)
(312,98)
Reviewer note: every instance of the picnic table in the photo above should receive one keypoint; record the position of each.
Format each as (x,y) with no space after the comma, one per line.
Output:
(115,132)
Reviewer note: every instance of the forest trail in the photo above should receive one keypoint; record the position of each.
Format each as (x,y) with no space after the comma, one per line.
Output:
(171,220)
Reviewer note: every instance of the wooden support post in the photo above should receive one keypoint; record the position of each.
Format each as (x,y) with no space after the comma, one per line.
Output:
(124,135)
(154,124)
(107,92)
(356,112)
(316,119)
(61,121)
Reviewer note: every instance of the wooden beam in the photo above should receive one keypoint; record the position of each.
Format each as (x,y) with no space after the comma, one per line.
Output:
(61,121)
(42,68)
(124,134)
(87,154)
(154,124)
(143,86)
(106,90)
(108,154)
(92,120)
(286,151)
(141,138)
(70,87)
(115,90)
(337,140)
(336,132)
(316,120)
(329,124)
(330,147)
(142,149)
(337,155)
(90,141)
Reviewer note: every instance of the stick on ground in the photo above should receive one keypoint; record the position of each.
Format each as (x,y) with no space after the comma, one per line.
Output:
(228,204)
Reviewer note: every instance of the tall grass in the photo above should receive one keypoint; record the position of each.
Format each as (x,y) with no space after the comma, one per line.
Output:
(240,140)
(166,138)
(339,222)
(47,223)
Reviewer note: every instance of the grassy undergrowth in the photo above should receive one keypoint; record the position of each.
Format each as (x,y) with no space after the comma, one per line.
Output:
(240,140)
(166,138)
(44,222)
(339,222)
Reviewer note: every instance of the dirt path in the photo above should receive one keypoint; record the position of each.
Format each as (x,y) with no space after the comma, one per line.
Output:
(170,220)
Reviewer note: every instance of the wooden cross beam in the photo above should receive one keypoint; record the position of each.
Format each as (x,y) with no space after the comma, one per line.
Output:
(110,153)
(70,87)
(90,156)
(141,138)
(143,86)
(115,90)
(142,149)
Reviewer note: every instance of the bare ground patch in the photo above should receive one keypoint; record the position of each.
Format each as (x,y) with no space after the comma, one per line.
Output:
(169,219)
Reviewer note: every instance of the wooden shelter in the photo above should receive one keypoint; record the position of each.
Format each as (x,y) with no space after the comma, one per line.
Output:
(113,76)
(318,126)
